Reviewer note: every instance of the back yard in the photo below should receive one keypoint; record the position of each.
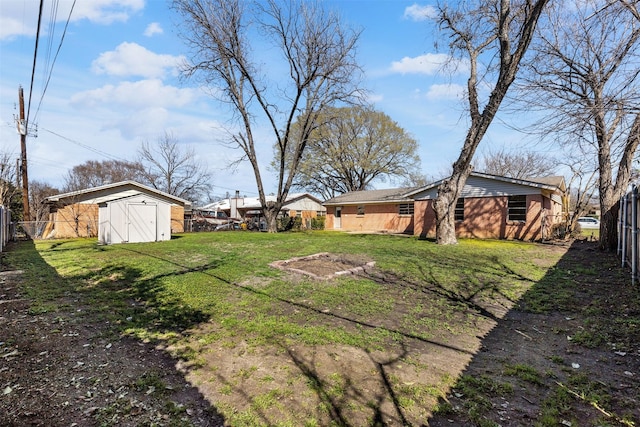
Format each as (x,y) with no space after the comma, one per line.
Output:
(201,331)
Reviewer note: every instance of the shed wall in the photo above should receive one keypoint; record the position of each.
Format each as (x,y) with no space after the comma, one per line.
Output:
(115,219)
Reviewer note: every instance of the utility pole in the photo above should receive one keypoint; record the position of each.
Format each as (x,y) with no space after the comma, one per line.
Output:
(22,130)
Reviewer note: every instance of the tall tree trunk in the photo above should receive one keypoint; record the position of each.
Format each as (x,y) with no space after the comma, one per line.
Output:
(499,39)
(448,193)
(271,217)
(445,224)
(609,225)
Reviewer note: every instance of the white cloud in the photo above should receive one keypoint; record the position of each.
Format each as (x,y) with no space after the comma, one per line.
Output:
(429,63)
(445,91)
(153,29)
(131,59)
(103,11)
(10,28)
(374,98)
(415,12)
(19,18)
(147,124)
(138,95)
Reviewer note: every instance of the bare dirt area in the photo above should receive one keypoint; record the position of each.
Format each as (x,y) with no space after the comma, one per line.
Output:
(567,355)
(325,265)
(577,364)
(63,369)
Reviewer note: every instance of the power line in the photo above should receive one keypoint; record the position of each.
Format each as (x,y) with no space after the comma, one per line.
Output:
(88,147)
(64,32)
(33,68)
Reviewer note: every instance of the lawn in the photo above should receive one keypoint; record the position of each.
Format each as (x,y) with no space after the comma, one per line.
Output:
(267,347)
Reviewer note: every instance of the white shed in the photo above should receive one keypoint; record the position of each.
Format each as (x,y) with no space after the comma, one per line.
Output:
(139,218)
(123,212)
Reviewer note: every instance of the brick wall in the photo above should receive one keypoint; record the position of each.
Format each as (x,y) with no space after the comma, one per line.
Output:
(485,218)
(77,220)
(376,218)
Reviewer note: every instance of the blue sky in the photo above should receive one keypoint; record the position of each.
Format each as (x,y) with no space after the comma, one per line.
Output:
(115,84)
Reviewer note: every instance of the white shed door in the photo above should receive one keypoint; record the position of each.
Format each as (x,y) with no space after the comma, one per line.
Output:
(141,222)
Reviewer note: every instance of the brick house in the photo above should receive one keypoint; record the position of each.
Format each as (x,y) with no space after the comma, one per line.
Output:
(490,206)
(117,213)
(389,210)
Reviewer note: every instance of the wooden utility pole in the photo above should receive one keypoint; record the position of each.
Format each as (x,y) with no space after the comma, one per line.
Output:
(22,129)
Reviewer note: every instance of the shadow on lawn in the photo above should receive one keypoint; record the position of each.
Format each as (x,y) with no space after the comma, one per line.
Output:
(107,297)
(560,357)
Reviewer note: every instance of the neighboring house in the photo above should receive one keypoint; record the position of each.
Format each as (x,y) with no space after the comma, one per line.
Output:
(389,210)
(117,213)
(490,206)
(302,205)
(497,207)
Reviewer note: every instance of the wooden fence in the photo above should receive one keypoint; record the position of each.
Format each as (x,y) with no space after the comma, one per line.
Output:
(628,232)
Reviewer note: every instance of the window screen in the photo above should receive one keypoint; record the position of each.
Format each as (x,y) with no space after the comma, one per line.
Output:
(517,208)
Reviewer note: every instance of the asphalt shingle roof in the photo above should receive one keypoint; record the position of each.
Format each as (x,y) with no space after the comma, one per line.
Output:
(380,196)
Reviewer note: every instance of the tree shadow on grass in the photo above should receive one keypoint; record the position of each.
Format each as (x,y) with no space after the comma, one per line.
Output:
(558,357)
(102,303)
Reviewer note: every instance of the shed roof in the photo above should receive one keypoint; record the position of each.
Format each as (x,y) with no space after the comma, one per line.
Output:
(115,191)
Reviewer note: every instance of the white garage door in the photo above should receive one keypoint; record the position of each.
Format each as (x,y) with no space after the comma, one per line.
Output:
(141,222)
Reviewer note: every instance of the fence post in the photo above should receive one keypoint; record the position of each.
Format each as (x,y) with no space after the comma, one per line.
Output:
(623,229)
(2,226)
(634,234)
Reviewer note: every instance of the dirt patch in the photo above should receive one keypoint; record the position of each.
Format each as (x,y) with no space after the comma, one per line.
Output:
(64,368)
(577,364)
(325,265)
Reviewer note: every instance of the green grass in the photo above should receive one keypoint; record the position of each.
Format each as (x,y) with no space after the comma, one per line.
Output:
(158,291)
(164,288)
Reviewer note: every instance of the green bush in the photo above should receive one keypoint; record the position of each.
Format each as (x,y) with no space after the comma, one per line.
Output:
(317,223)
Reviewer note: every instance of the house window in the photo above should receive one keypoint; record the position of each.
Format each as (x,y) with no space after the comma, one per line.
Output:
(299,214)
(321,213)
(360,209)
(405,209)
(517,208)
(458,214)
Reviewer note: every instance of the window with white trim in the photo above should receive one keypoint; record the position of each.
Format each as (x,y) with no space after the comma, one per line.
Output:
(360,209)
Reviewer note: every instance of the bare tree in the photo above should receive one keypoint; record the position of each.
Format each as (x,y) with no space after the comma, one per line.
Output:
(352,149)
(170,168)
(93,173)
(38,192)
(318,69)
(10,193)
(522,164)
(500,32)
(585,73)
(581,186)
